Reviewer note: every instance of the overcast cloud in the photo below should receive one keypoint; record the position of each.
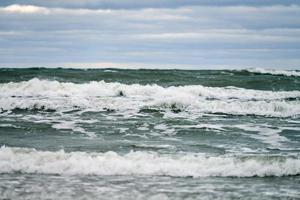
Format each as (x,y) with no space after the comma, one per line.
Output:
(152,34)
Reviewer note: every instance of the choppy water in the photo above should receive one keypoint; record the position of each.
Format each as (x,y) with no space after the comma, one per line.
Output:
(149,134)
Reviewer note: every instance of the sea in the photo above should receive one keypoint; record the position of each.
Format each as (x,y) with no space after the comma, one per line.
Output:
(149,134)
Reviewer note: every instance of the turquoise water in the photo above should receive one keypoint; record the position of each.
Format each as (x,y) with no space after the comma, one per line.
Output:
(149,134)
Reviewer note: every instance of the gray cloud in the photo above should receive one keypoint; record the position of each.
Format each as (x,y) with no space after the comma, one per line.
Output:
(134,4)
(194,36)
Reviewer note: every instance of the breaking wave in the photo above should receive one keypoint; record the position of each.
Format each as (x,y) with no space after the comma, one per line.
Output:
(103,96)
(25,160)
(273,72)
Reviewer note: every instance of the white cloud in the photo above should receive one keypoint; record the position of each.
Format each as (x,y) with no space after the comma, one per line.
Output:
(232,10)
(134,4)
(25,9)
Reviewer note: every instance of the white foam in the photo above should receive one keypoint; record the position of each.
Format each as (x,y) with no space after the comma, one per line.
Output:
(274,72)
(215,127)
(71,125)
(143,128)
(267,135)
(195,99)
(142,163)
(155,146)
(9,126)
(161,127)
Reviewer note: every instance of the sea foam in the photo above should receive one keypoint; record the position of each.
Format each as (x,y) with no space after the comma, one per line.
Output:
(98,96)
(25,160)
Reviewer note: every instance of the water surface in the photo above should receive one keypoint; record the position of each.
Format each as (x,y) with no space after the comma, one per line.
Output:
(149,134)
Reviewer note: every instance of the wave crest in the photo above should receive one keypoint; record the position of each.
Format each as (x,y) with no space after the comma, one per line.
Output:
(273,72)
(142,163)
(102,96)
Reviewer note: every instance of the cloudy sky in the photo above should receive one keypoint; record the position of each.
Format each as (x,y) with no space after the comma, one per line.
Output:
(187,34)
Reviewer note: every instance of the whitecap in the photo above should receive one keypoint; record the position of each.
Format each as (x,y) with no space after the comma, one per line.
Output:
(196,100)
(274,71)
(26,160)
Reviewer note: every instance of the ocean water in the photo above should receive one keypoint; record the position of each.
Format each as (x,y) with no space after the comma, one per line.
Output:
(149,134)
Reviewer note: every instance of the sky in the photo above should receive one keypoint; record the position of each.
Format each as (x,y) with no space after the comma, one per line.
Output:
(184,34)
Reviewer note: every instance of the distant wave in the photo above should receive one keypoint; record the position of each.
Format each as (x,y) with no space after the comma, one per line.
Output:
(37,94)
(25,160)
(273,72)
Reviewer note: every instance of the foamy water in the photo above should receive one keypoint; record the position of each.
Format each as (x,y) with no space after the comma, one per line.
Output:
(142,163)
(44,94)
(149,134)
